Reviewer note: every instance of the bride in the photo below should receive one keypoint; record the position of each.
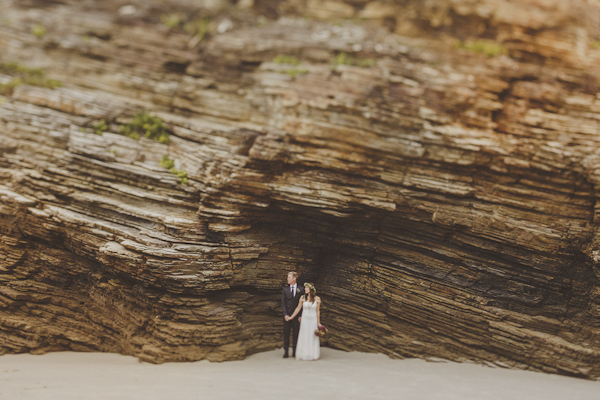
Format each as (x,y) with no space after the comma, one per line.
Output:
(308,346)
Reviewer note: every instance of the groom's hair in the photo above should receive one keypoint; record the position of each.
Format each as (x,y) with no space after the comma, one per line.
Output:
(294,274)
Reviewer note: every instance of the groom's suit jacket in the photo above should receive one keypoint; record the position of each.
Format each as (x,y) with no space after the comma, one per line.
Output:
(290,302)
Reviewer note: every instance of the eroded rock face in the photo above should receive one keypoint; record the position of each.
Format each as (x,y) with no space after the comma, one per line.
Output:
(443,202)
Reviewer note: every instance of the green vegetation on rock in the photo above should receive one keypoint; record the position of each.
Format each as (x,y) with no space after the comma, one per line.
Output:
(6,89)
(13,68)
(341,59)
(198,27)
(168,163)
(295,71)
(24,75)
(344,58)
(486,47)
(38,30)
(148,126)
(181,174)
(100,127)
(171,21)
(286,59)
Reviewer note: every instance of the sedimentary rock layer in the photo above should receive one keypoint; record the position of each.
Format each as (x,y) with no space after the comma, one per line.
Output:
(443,202)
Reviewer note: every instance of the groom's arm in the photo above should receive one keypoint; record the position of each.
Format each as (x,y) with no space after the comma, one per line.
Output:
(283,305)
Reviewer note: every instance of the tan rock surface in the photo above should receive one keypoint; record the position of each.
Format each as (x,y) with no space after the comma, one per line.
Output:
(443,202)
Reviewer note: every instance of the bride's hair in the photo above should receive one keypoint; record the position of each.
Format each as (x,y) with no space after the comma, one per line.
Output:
(312,293)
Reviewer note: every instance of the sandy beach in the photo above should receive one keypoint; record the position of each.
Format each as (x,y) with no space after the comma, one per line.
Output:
(338,375)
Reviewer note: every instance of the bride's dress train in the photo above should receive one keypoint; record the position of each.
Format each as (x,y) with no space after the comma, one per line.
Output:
(308,346)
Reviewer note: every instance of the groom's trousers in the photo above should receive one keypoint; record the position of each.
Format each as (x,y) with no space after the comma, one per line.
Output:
(294,327)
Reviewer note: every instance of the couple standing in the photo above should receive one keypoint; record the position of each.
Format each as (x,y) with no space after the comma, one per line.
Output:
(302,315)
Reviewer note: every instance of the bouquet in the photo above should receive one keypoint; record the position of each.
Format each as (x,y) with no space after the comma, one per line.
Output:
(321,331)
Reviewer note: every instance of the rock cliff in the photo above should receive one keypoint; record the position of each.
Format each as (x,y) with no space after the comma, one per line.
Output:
(431,166)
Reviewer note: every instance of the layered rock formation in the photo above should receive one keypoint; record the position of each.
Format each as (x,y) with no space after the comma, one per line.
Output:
(443,201)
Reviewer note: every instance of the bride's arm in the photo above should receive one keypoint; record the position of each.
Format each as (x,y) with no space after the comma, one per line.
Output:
(297,310)
(318,300)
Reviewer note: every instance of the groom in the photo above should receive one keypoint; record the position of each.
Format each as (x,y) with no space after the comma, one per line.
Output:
(290,297)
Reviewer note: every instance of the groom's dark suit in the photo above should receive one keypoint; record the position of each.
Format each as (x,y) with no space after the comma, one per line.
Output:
(289,302)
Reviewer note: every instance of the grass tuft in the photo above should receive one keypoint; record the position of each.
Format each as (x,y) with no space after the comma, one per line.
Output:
(100,127)
(181,174)
(344,58)
(285,59)
(171,21)
(24,75)
(7,89)
(168,163)
(485,47)
(148,126)
(295,71)
(198,27)
(38,30)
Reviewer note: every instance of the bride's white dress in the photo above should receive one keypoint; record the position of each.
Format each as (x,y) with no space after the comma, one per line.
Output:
(308,346)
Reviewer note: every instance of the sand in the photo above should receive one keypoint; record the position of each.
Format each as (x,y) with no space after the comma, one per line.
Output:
(338,375)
